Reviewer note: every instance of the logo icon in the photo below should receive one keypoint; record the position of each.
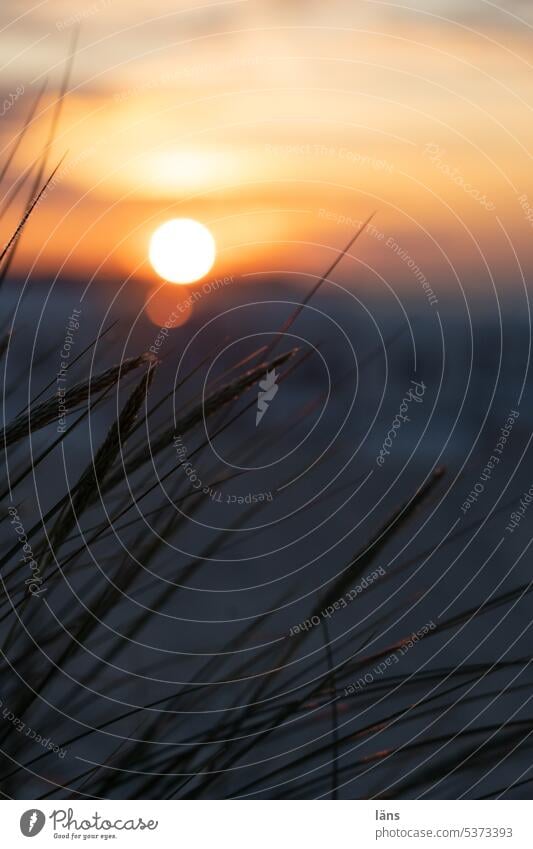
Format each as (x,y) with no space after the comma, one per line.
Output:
(32,822)
(269,389)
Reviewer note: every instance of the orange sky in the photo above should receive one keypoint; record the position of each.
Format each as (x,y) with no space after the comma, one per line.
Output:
(278,125)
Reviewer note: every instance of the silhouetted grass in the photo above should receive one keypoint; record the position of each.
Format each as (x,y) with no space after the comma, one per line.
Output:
(211,737)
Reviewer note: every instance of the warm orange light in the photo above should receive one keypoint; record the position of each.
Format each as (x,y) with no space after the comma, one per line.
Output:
(165,308)
(182,250)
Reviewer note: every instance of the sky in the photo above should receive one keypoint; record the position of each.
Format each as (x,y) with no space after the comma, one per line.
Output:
(280,124)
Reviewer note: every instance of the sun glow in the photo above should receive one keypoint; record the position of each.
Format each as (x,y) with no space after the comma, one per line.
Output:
(182,250)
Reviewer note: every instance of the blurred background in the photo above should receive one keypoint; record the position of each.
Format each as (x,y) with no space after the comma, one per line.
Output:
(274,122)
(282,127)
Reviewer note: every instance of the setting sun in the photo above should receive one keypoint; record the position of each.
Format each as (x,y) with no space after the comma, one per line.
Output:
(182,250)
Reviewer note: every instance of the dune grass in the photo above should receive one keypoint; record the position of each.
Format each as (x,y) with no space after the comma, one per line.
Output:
(201,725)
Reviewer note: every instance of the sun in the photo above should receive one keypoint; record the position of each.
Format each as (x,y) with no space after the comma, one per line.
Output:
(182,250)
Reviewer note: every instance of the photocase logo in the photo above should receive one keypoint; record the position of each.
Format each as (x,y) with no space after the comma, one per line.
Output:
(268,391)
(32,822)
